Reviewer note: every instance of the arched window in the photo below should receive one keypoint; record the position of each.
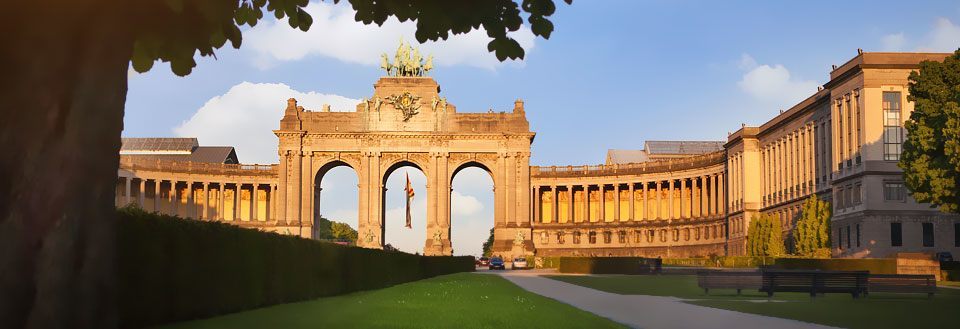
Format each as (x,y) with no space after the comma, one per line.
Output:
(592,237)
(607,237)
(686,234)
(676,235)
(576,237)
(560,238)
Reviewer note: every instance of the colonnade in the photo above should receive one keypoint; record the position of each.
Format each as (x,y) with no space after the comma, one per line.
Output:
(205,200)
(674,198)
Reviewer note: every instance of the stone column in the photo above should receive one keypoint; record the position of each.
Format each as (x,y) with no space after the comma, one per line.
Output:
(683,198)
(272,211)
(191,205)
(283,189)
(586,203)
(126,190)
(671,214)
(633,200)
(236,203)
(646,202)
(220,201)
(603,203)
(174,199)
(616,202)
(555,204)
(143,190)
(570,204)
(254,203)
(537,204)
(156,195)
(715,189)
(206,201)
(658,202)
(722,198)
(704,196)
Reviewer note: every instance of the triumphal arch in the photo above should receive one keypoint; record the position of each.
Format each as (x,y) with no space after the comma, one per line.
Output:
(406,122)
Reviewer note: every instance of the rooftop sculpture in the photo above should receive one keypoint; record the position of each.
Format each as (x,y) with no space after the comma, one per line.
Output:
(407,62)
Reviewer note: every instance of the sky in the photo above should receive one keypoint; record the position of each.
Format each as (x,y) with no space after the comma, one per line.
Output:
(613,74)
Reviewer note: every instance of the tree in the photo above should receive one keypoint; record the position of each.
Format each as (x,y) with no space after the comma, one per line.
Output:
(812,234)
(63,91)
(342,231)
(765,237)
(488,245)
(931,152)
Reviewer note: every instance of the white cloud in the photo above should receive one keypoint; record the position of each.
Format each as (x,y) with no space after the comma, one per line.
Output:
(943,37)
(464,205)
(773,84)
(893,42)
(246,115)
(335,34)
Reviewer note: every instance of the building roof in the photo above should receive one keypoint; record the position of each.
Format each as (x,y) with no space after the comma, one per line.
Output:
(177,149)
(158,145)
(682,147)
(663,149)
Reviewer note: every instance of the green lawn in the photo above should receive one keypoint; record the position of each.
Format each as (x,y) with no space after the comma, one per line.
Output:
(464,300)
(876,311)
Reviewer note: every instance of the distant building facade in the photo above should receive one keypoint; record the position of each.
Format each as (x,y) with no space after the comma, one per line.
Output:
(670,199)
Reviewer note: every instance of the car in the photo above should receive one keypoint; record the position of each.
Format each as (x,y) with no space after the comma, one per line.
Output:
(519,263)
(944,257)
(496,263)
(483,261)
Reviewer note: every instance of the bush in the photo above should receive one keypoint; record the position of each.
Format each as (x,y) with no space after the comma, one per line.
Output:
(874,265)
(607,265)
(950,275)
(171,269)
(721,261)
(545,262)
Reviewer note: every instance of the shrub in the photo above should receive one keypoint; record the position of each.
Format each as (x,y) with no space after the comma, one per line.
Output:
(607,265)
(171,269)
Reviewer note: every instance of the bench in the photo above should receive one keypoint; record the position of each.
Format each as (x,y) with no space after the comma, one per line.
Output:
(728,280)
(815,282)
(903,283)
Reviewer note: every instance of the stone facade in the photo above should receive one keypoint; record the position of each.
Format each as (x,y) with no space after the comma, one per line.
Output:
(841,143)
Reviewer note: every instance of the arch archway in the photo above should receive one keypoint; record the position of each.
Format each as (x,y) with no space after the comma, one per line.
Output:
(471,207)
(393,206)
(336,198)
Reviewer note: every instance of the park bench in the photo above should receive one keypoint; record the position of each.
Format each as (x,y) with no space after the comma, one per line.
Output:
(903,283)
(815,282)
(728,280)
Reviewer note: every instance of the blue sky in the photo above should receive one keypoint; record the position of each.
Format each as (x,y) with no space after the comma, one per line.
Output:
(614,73)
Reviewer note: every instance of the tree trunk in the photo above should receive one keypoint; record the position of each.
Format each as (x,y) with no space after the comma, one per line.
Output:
(62,91)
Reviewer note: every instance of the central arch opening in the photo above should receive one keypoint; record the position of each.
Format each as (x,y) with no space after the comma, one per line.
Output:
(396,233)
(471,209)
(335,204)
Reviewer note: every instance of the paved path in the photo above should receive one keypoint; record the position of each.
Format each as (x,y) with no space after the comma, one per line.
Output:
(641,311)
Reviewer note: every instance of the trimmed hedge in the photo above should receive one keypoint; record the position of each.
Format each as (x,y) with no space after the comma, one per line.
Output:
(722,261)
(545,262)
(874,265)
(607,265)
(950,275)
(171,269)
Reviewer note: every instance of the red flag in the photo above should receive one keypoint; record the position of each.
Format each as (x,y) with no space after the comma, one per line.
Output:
(409,191)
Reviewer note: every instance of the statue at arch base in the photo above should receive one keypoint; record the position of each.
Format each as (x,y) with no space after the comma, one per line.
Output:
(512,242)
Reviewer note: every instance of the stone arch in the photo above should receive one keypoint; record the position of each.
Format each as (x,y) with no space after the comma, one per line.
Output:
(318,174)
(476,163)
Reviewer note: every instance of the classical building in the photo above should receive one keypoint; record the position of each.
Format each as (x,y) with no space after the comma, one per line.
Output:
(670,199)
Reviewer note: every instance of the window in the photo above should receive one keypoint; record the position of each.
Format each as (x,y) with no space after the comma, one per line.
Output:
(560,239)
(607,237)
(896,234)
(840,238)
(544,237)
(576,237)
(892,131)
(856,109)
(592,237)
(840,132)
(893,191)
(840,203)
(650,235)
(850,127)
(928,234)
(848,236)
(622,236)
(638,236)
(956,234)
(858,235)
(856,194)
(663,235)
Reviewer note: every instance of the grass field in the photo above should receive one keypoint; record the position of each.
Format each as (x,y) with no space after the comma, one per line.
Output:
(877,311)
(464,300)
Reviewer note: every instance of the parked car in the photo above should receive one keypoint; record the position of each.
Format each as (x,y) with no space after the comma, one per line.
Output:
(944,257)
(496,263)
(484,261)
(519,263)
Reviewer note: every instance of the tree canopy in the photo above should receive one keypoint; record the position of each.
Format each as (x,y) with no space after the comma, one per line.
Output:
(488,245)
(765,237)
(812,234)
(174,30)
(331,230)
(931,151)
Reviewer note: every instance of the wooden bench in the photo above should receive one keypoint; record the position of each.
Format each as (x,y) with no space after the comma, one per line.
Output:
(815,282)
(728,280)
(903,283)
